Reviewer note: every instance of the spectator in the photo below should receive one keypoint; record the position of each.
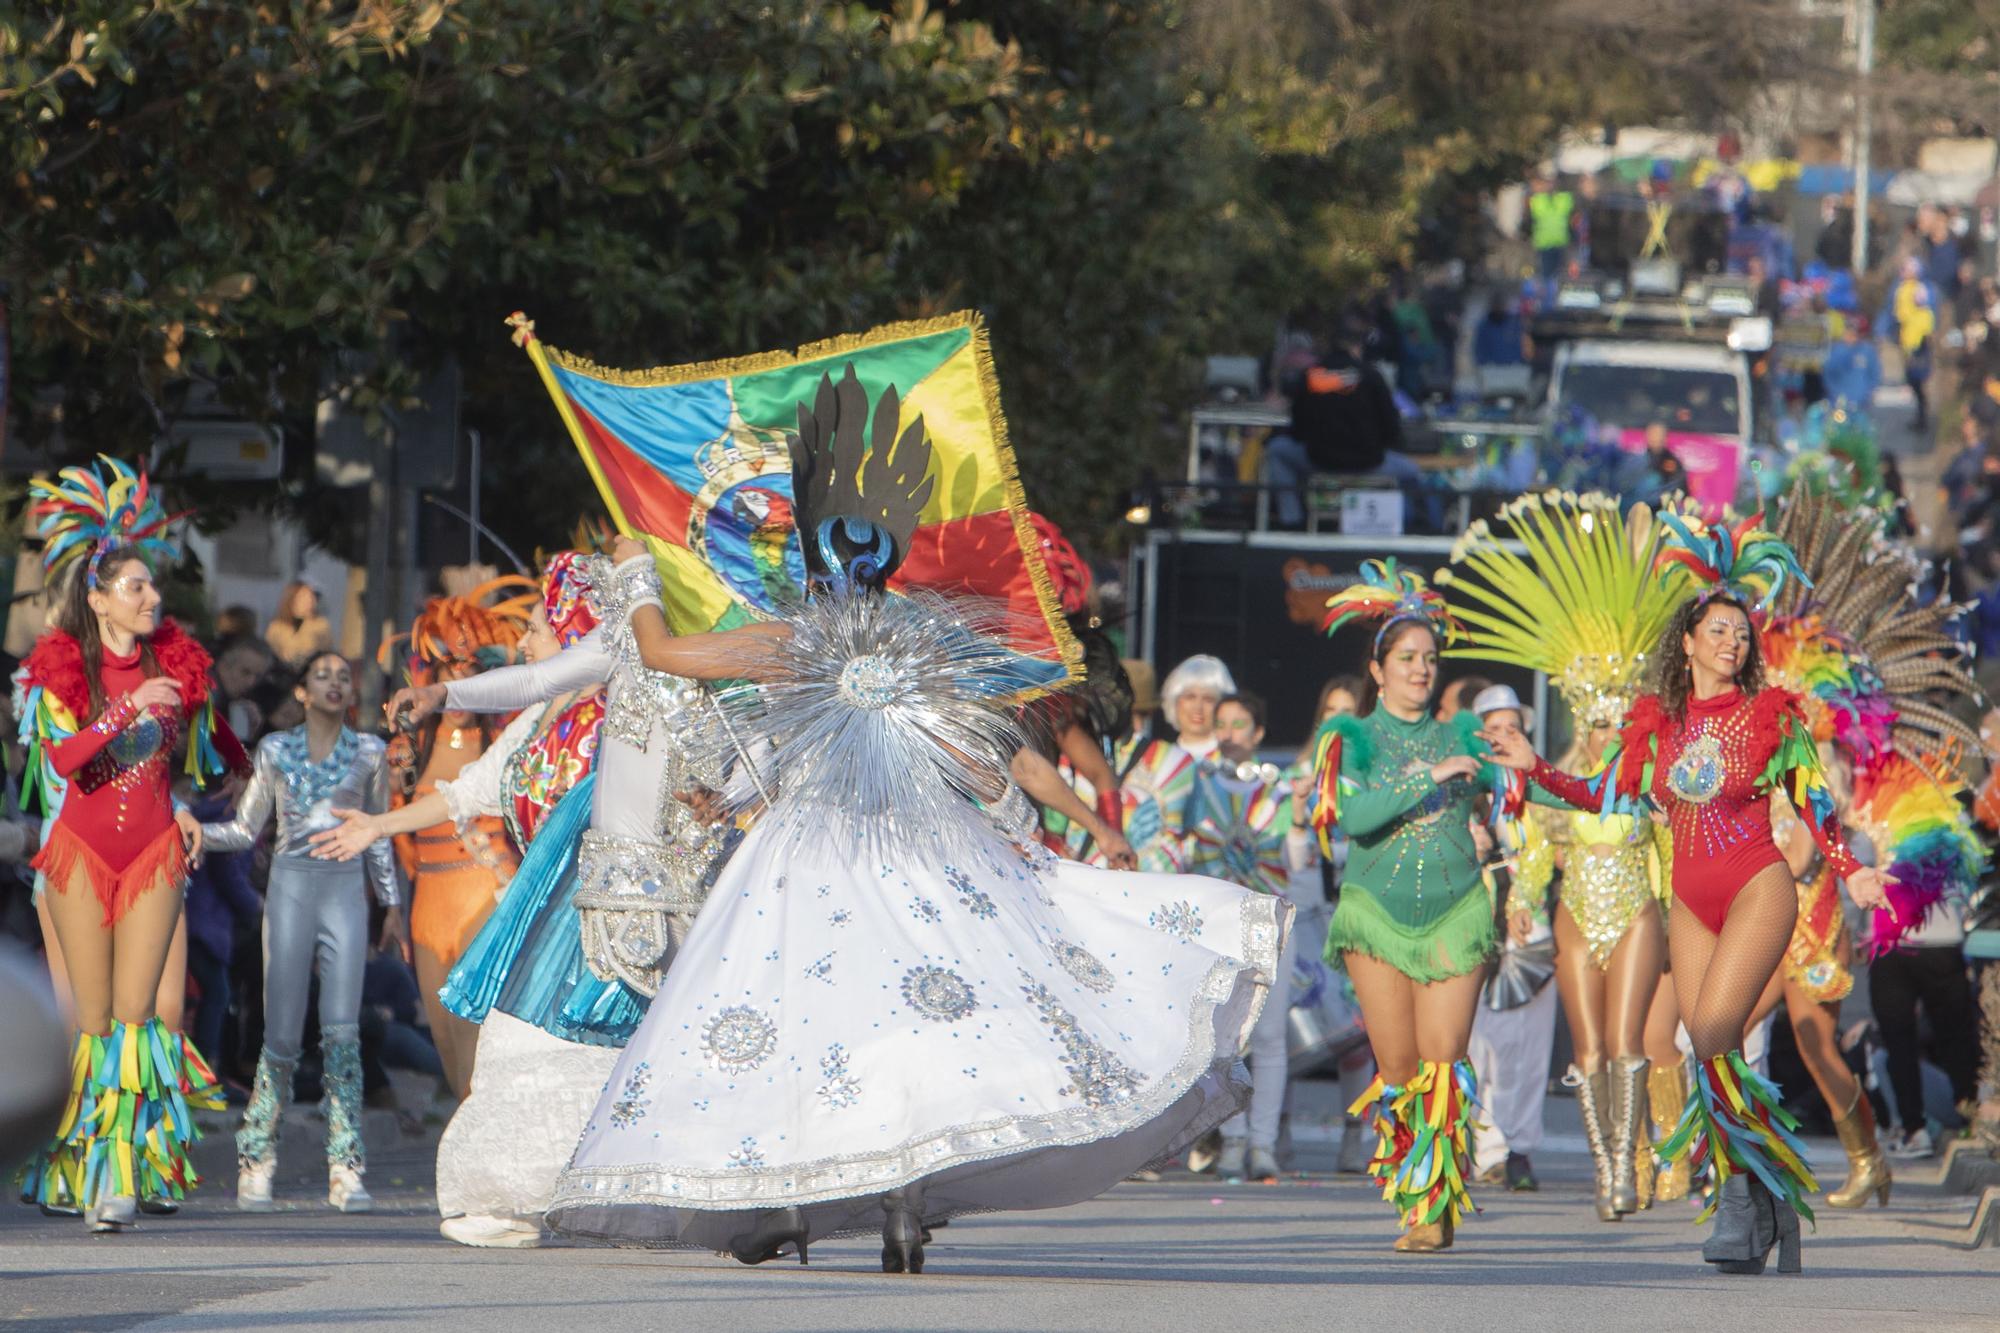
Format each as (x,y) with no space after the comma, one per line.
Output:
(1970,477)
(1145,708)
(220,901)
(240,663)
(1654,472)
(1940,255)
(1551,215)
(1927,972)
(1502,337)
(1344,420)
(1916,321)
(235,622)
(1457,697)
(1853,369)
(298,630)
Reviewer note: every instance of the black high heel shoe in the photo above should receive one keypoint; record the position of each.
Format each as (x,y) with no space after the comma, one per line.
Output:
(1767,1217)
(1743,1232)
(774,1231)
(902,1237)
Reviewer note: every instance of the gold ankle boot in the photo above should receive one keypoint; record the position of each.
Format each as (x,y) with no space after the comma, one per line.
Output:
(1424,1238)
(1867,1167)
(1667,1095)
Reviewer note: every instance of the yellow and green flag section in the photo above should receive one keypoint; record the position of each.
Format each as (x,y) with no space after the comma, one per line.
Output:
(692,460)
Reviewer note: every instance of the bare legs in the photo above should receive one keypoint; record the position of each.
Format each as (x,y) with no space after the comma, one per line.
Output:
(1608,1007)
(1409,1023)
(171,996)
(456,1039)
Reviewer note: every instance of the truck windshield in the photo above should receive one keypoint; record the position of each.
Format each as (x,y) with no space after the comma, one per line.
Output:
(1699,402)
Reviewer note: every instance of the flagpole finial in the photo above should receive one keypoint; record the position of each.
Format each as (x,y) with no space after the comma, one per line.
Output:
(524,328)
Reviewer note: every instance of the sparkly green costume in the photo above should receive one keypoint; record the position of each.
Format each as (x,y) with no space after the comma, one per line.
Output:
(1412,895)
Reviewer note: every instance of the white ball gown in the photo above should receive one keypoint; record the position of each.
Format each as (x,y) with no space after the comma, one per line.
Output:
(885,990)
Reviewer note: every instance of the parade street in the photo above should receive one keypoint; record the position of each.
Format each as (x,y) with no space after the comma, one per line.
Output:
(1185,1253)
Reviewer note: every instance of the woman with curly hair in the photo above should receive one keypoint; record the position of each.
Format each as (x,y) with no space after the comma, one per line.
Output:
(1708,748)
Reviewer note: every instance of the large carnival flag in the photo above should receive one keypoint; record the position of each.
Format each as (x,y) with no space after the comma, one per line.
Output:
(692,460)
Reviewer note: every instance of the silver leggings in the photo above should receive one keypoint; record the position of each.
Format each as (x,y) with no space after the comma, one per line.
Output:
(315,919)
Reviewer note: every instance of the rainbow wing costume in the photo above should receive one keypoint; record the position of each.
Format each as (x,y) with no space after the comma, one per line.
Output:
(1870,662)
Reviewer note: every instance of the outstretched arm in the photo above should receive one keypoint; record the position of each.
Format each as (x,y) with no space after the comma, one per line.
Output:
(747,653)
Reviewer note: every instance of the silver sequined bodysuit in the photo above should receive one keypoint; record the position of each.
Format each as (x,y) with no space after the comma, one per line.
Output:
(647,856)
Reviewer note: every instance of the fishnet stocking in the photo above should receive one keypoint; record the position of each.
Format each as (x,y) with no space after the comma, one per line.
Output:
(1719,978)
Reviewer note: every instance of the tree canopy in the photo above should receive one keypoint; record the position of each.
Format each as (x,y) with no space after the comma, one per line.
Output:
(232,193)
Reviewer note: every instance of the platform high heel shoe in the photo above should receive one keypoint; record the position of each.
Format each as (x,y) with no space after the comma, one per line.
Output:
(902,1233)
(1775,1225)
(768,1239)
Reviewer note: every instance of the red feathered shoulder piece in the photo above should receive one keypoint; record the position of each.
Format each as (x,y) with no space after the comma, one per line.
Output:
(1636,743)
(56,664)
(184,659)
(1773,712)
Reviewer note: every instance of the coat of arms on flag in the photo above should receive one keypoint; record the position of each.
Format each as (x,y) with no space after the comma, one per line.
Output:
(692,460)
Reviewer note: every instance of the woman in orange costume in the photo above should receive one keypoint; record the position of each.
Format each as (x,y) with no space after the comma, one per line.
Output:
(111,692)
(456,876)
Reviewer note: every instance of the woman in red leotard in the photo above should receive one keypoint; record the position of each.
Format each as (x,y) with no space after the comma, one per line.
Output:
(1708,748)
(116,701)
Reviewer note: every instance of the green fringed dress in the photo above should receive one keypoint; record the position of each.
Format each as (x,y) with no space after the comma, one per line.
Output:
(1412,895)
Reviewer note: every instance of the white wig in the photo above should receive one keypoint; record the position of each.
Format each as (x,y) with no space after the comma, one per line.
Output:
(1200,672)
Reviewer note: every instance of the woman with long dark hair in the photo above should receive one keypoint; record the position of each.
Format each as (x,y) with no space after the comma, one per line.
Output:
(1414,928)
(116,702)
(1709,748)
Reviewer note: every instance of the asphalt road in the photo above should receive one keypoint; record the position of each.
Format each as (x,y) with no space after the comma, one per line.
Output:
(1186,1253)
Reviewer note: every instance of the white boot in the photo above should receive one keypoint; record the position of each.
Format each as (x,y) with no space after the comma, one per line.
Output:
(253,1185)
(345,1191)
(492,1233)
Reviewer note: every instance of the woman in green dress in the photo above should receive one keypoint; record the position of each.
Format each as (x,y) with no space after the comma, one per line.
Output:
(1414,928)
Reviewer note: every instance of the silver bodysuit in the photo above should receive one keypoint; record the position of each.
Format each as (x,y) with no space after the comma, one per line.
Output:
(645,864)
(315,912)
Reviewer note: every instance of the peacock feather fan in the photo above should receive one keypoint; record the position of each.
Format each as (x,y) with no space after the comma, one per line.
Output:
(1860,588)
(1581,603)
(1387,593)
(88,511)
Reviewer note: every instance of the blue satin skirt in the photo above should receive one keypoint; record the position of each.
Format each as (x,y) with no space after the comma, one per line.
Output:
(527,960)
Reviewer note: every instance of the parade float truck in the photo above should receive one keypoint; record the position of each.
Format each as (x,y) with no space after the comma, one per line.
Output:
(1653,329)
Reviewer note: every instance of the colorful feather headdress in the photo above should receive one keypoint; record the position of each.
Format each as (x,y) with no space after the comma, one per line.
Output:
(1390,594)
(89,511)
(465,630)
(1583,604)
(1746,561)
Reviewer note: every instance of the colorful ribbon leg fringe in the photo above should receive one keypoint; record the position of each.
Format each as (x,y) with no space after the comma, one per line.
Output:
(1423,1146)
(130,1122)
(1735,1122)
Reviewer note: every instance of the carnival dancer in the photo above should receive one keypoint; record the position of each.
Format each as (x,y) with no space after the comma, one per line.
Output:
(118,698)
(455,878)
(1709,749)
(1870,664)
(536,1072)
(1585,606)
(1247,822)
(1414,926)
(1155,781)
(888,1012)
(315,923)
